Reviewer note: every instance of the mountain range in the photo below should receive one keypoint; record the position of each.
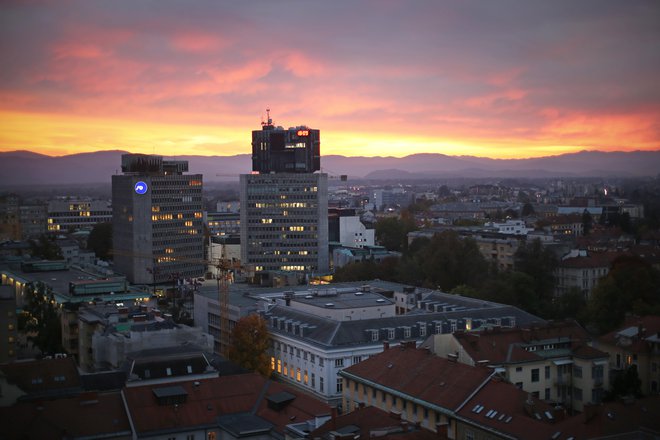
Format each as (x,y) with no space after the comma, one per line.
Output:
(25,167)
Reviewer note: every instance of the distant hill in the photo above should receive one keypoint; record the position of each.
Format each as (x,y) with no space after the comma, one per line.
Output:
(25,167)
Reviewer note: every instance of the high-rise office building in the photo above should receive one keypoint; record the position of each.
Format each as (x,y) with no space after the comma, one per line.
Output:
(157,220)
(284,203)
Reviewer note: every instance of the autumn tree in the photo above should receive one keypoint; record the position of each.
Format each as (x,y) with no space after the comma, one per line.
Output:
(249,344)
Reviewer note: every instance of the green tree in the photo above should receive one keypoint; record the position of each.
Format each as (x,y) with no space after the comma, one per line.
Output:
(392,232)
(539,263)
(527,210)
(249,345)
(45,248)
(42,320)
(448,261)
(587,222)
(100,241)
(632,285)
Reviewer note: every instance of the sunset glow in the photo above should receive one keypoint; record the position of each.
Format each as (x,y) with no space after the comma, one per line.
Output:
(500,80)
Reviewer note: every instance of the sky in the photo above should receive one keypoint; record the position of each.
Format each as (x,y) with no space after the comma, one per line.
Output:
(499,79)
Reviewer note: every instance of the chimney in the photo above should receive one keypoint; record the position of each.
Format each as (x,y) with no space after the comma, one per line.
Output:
(395,415)
(386,345)
(333,418)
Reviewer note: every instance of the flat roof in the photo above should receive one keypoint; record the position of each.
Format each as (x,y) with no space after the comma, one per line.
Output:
(343,299)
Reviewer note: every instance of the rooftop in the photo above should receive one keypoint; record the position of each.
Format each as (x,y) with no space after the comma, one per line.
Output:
(419,374)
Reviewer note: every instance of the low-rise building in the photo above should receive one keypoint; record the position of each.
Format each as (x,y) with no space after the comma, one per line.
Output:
(581,271)
(554,362)
(108,334)
(231,407)
(8,325)
(636,343)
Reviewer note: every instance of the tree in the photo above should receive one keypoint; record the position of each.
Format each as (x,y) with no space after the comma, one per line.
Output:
(392,232)
(42,321)
(45,248)
(587,222)
(100,240)
(249,344)
(539,263)
(632,285)
(527,210)
(448,261)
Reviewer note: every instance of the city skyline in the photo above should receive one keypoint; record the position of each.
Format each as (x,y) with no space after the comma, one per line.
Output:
(505,80)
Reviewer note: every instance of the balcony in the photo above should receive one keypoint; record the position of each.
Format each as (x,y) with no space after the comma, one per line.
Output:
(562,380)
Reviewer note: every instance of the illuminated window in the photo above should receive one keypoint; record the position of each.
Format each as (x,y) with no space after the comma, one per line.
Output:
(279,366)
(198,215)
(305,378)
(189,223)
(272,363)
(298,375)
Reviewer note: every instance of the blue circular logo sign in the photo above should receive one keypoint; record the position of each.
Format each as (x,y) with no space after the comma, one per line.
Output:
(140,187)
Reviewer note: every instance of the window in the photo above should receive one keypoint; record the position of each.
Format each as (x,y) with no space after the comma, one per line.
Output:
(190,437)
(469,435)
(390,333)
(320,384)
(406,332)
(577,371)
(577,393)
(547,372)
(304,355)
(298,375)
(393,400)
(212,436)
(518,369)
(535,375)
(597,373)
(519,385)
(339,363)
(357,359)
(306,378)
(313,380)
(168,371)
(422,330)
(320,362)
(374,335)
(312,358)
(547,394)
(597,394)
(340,385)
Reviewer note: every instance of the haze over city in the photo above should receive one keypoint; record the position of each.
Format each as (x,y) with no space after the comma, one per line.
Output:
(499,80)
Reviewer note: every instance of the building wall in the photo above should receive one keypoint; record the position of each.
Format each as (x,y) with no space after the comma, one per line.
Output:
(76,214)
(353,233)
(355,394)
(8,325)
(284,221)
(160,233)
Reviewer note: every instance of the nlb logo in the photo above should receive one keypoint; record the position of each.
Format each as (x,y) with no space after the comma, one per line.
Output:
(141,187)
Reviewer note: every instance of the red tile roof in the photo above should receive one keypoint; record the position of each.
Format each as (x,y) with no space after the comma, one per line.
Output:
(509,401)
(43,376)
(416,372)
(215,397)
(84,415)
(500,346)
(369,419)
(650,325)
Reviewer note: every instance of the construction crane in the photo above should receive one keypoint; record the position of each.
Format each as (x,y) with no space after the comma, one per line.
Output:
(225,266)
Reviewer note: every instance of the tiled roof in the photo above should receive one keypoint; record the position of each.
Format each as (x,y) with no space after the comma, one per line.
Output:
(416,372)
(509,345)
(363,421)
(628,335)
(45,376)
(207,399)
(88,414)
(502,407)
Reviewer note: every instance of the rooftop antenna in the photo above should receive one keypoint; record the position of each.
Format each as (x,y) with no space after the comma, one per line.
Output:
(268,119)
